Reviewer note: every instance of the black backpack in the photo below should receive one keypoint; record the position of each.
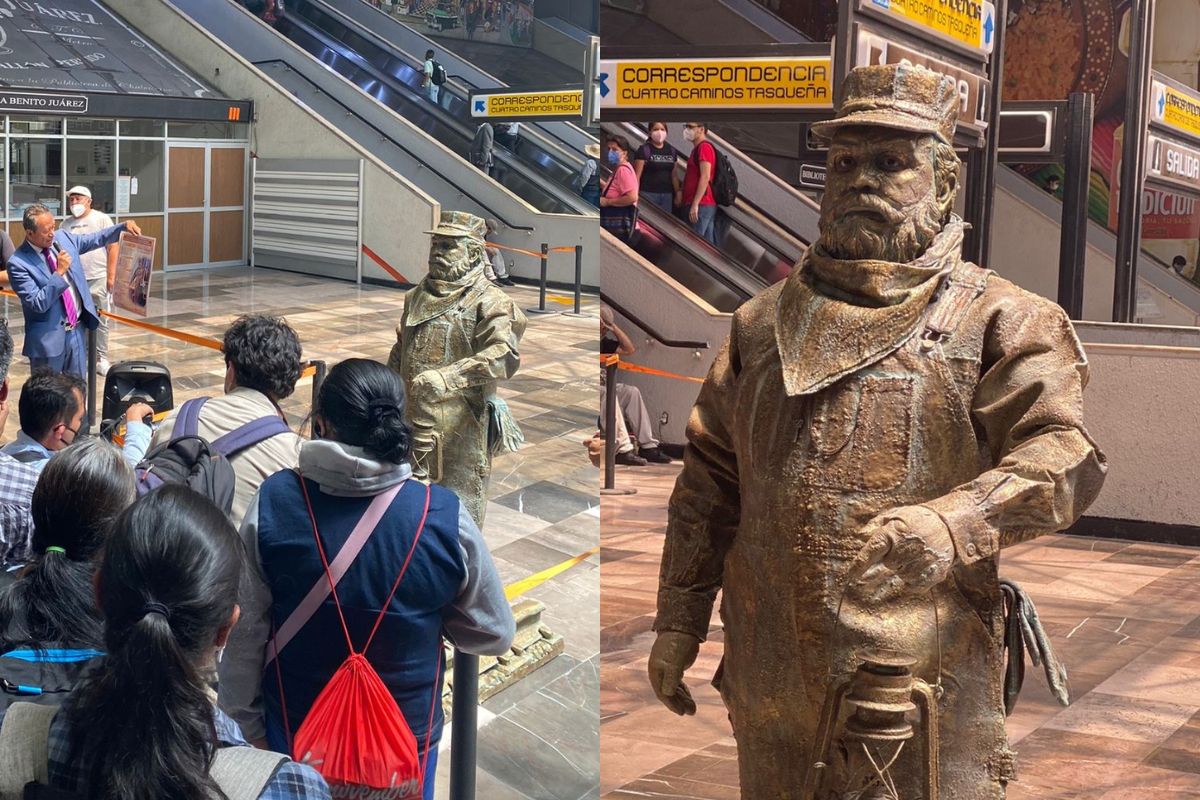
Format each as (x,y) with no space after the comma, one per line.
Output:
(439,74)
(190,460)
(724,180)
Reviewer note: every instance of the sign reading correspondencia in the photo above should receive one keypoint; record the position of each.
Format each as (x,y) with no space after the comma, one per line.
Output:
(515,104)
(718,83)
(1175,109)
(966,23)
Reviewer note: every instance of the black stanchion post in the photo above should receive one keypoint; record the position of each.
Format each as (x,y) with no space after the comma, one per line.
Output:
(1133,161)
(610,430)
(318,379)
(91,380)
(463,726)
(541,307)
(1072,247)
(578,275)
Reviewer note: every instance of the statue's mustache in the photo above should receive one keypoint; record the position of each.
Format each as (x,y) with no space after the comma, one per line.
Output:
(869,204)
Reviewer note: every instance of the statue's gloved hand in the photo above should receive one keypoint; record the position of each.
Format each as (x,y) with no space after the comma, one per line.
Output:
(427,385)
(908,550)
(673,652)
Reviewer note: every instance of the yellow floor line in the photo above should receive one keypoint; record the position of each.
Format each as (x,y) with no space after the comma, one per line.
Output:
(533,581)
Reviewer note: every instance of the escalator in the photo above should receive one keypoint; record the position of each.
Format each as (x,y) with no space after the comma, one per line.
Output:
(1020,207)
(536,173)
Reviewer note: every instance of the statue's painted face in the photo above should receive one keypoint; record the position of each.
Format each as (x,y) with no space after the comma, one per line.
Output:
(882,197)
(451,257)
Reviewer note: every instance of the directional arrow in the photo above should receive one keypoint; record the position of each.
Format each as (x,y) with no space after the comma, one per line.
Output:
(604,90)
(1162,102)
(480,106)
(988,28)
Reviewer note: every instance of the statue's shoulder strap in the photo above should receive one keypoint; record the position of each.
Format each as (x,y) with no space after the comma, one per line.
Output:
(959,289)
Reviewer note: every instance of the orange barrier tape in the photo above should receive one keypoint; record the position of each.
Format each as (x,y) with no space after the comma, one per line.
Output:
(534,253)
(625,365)
(170,333)
(386,267)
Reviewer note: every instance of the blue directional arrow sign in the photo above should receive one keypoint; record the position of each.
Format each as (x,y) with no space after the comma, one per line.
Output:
(480,106)
(1162,102)
(989,27)
(604,90)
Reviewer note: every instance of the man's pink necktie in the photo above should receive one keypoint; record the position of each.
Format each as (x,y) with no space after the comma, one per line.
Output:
(68,298)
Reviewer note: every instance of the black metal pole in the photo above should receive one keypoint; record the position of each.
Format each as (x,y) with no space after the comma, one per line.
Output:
(578,275)
(1072,247)
(91,380)
(610,425)
(541,306)
(1133,160)
(463,726)
(983,236)
(319,371)
(974,207)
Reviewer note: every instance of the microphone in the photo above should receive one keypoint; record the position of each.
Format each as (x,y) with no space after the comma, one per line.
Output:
(57,247)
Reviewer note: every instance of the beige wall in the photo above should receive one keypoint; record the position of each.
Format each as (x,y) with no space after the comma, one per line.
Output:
(396,211)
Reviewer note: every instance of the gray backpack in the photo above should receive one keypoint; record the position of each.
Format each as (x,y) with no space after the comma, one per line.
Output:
(241,772)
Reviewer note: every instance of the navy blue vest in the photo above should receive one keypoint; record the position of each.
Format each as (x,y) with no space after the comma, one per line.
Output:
(406,651)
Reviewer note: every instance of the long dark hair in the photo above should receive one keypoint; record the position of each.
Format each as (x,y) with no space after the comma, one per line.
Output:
(168,583)
(78,496)
(364,403)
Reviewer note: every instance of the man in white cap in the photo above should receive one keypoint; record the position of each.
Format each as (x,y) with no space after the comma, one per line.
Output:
(99,266)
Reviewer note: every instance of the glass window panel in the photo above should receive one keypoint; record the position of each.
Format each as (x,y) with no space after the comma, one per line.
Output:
(142,161)
(90,163)
(36,124)
(37,174)
(95,127)
(208,130)
(142,127)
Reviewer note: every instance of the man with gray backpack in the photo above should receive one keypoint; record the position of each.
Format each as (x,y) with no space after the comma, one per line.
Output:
(225,447)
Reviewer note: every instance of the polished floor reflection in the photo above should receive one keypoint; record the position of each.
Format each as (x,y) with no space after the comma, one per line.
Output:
(1124,617)
(538,739)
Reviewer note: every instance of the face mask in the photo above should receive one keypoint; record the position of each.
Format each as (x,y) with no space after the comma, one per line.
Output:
(689,134)
(614,157)
(658,137)
(78,210)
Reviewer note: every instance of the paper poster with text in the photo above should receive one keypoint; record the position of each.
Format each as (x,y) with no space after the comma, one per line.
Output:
(135,265)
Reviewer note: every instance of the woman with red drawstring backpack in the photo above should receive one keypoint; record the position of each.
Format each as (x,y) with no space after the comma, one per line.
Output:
(355,573)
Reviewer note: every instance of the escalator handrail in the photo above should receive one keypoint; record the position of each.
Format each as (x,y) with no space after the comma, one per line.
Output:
(682,344)
(387,137)
(552,138)
(555,190)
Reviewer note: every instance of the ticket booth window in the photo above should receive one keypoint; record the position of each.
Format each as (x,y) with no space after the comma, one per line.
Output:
(91,163)
(142,168)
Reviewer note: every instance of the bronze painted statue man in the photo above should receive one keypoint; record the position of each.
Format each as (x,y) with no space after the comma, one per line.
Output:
(876,428)
(457,337)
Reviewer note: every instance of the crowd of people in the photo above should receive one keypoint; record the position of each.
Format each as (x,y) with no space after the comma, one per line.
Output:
(154,644)
(651,172)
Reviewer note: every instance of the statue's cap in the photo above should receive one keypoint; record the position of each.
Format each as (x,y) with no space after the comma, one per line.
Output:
(460,223)
(899,96)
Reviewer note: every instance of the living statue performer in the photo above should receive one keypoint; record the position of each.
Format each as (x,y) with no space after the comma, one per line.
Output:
(876,428)
(457,337)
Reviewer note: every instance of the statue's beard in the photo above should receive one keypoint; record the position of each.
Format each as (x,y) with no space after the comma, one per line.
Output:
(900,237)
(454,266)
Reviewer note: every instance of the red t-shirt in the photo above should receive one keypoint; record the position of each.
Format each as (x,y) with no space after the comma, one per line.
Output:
(691,179)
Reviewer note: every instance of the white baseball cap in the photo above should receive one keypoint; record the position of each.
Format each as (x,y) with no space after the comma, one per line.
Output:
(82,190)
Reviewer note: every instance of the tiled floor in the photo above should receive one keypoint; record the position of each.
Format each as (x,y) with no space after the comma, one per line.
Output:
(1124,617)
(538,739)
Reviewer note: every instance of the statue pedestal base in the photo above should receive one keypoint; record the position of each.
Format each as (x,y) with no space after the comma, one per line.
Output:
(534,646)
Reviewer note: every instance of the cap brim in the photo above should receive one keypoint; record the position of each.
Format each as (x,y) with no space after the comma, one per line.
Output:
(877,118)
(449,232)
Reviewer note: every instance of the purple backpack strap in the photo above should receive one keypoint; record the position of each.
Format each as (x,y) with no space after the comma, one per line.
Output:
(250,434)
(188,422)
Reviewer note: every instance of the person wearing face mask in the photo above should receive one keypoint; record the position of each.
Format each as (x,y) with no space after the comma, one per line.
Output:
(700,207)
(99,266)
(457,337)
(619,195)
(654,163)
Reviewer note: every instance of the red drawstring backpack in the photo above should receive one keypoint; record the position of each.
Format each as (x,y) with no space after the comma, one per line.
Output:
(355,735)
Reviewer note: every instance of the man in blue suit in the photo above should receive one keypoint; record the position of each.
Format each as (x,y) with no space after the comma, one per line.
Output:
(47,275)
